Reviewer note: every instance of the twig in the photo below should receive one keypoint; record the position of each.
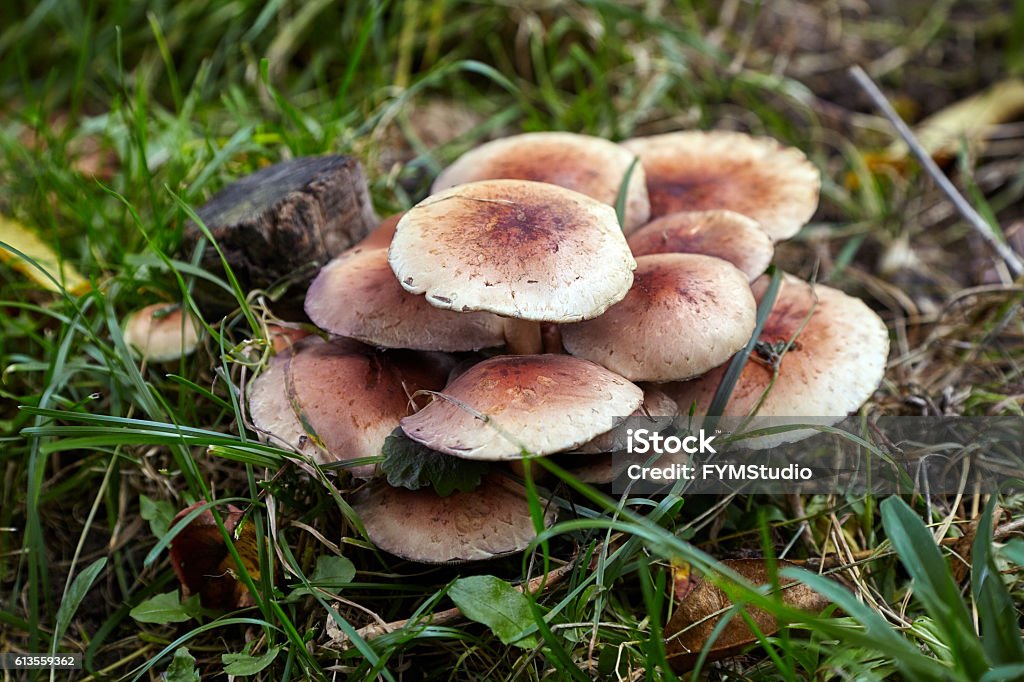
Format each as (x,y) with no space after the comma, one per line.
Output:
(1012,260)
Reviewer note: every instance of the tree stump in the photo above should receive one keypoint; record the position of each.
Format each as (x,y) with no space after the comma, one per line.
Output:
(278,226)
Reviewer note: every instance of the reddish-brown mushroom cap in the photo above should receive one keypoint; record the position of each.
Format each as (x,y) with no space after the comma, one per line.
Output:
(272,413)
(379,237)
(506,406)
(515,248)
(161,332)
(420,525)
(357,296)
(835,362)
(723,234)
(658,407)
(349,398)
(756,176)
(685,314)
(589,165)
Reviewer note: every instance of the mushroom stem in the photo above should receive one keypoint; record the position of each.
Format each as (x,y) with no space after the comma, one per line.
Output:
(522,337)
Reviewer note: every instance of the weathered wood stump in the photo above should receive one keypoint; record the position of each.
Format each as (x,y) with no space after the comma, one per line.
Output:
(278,226)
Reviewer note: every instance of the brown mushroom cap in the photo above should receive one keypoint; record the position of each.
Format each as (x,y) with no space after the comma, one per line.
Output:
(538,404)
(589,165)
(420,525)
(357,296)
(379,237)
(272,413)
(515,248)
(685,314)
(657,405)
(723,234)
(756,176)
(350,398)
(835,363)
(161,332)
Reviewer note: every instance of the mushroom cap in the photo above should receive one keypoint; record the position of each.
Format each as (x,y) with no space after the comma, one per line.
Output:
(350,397)
(658,407)
(516,248)
(720,233)
(685,314)
(589,165)
(357,296)
(161,332)
(379,237)
(835,363)
(272,413)
(537,404)
(756,176)
(420,525)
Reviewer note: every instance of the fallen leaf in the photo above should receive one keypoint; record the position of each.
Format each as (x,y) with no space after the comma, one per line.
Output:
(203,563)
(15,237)
(704,604)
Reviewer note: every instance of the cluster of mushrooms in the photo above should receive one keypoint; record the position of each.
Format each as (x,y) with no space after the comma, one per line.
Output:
(509,315)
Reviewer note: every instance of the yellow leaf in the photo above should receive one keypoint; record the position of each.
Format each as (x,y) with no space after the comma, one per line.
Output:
(15,235)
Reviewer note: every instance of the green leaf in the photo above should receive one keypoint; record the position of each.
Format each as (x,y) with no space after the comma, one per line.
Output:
(1013,551)
(79,587)
(159,513)
(407,464)
(333,571)
(493,602)
(166,608)
(247,664)
(182,667)
(933,584)
(1000,633)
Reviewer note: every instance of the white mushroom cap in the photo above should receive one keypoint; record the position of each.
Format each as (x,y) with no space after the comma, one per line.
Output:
(756,176)
(515,248)
(161,332)
(357,296)
(589,165)
(834,365)
(537,404)
(685,314)
(723,234)
(272,413)
(420,525)
(350,398)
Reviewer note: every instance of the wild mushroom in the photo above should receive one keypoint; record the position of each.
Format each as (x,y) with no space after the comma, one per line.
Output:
(719,233)
(420,525)
(507,406)
(589,165)
(524,250)
(161,332)
(358,296)
(756,176)
(685,314)
(350,397)
(837,349)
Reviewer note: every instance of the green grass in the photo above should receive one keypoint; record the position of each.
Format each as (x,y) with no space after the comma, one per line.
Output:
(172,101)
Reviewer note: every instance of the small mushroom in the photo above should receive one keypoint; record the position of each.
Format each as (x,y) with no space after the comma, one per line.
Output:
(719,233)
(589,165)
(358,296)
(420,525)
(509,406)
(756,176)
(161,332)
(516,248)
(836,361)
(685,314)
(350,397)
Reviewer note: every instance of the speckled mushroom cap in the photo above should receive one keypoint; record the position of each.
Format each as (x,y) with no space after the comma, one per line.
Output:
(539,404)
(685,314)
(349,398)
(420,525)
(357,296)
(835,363)
(723,234)
(161,332)
(658,407)
(756,176)
(516,248)
(589,165)
(271,411)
